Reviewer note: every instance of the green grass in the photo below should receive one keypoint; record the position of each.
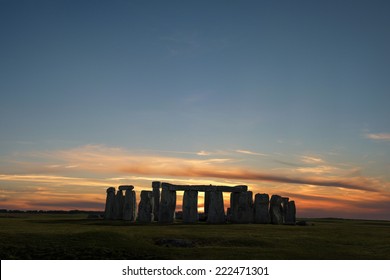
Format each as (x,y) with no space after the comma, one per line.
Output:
(65,236)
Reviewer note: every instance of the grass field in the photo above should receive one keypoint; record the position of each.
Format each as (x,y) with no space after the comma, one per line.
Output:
(66,236)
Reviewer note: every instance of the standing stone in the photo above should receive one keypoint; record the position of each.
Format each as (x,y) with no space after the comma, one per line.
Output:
(241,205)
(190,207)
(261,209)
(110,204)
(119,202)
(129,212)
(156,197)
(228,215)
(284,208)
(291,214)
(145,209)
(234,197)
(206,203)
(216,211)
(275,210)
(167,206)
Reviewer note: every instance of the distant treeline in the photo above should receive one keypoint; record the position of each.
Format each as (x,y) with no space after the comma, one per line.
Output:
(52,211)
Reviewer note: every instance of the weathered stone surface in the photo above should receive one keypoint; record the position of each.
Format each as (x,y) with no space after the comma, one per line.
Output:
(156,197)
(110,204)
(284,208)
(261,209)
(125,187)
(241,205)
(167,206)
(204,188)
(275,210)
(129,206)
(190,207)
(145,209)
(216,214)
(290,214)
(119,201)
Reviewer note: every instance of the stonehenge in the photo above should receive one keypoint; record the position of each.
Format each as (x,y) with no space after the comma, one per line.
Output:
(216,214)
(159,205)
(241,207)
(167,206)
(146,207)
(261,209)
(276,210)
(119,203)
(110,204)
(190,207)
(129,205)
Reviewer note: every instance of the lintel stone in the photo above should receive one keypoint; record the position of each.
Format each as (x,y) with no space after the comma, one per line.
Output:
(125,187)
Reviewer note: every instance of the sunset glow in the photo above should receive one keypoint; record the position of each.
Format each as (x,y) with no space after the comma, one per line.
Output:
(290,99)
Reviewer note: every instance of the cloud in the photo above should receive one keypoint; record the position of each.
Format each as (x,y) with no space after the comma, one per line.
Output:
(203,153)
(310,159)
(240,174)
(52,180)
(378,136)
(322,169)
(249,153)
(101,161)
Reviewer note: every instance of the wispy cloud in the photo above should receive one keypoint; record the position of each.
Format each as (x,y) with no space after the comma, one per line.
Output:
(203,153)
(247,152)
(106,162)
(378,136)
(311,159)
(322,169)
(53,180)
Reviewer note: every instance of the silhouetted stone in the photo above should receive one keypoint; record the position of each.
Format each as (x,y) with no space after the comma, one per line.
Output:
(190,207)
(216,213)
(261,209)
(145,209)
(284,208)
(156,197)
(206,204)
(241,207)
(275,210)
(129,206)
(228,214)
(290,214)
(167,206)
(119,201)
(178,215)
(109,210)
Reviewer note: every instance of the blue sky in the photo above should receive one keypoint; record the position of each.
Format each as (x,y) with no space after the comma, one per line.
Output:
(279,80)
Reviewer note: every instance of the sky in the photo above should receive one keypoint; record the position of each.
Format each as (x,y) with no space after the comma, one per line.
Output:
(287,97)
